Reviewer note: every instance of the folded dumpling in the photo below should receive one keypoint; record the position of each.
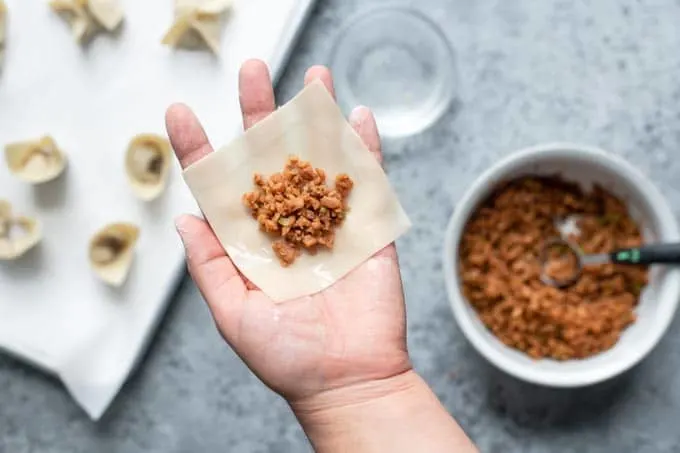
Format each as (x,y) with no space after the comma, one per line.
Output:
(197,23)
(111,252)
(86,17)
(147,164)
(3,30)
(18,234)
(35,161)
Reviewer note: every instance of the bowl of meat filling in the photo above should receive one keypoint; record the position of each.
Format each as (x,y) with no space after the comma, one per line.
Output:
(604,321)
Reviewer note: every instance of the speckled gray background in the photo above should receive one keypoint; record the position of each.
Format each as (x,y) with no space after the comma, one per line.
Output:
(605,72)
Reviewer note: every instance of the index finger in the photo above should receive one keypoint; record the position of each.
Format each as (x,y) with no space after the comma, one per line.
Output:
(256,92)
(256,95)
(186,135)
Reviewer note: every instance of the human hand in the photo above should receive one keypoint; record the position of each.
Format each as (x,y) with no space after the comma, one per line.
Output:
(349,334)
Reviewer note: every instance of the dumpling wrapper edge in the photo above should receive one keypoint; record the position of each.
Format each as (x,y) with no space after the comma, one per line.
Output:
(115,273)
(86,18)
(312,127)
(12,249)
(108,13)
(21,161)
(197,23)
(148,190)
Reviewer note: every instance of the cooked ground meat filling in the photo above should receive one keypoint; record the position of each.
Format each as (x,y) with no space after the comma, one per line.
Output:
(297,207)
(500,268)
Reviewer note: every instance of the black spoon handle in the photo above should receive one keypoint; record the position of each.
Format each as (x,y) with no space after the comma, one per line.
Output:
(668,253)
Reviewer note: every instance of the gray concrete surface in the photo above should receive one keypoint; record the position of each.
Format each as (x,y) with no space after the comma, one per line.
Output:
(606,73)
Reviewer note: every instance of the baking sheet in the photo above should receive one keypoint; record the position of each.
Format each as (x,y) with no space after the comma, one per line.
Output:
(53,312)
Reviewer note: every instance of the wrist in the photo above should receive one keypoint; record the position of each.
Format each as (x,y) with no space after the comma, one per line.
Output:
(333,419)
(354,395)
(395,414)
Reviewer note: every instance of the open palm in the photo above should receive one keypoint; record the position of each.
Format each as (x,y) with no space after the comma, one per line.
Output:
(350,333)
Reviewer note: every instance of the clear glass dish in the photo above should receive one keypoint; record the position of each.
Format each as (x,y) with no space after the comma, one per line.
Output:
(399,63)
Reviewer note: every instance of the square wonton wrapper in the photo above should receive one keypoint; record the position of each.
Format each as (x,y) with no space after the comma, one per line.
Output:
(312,127)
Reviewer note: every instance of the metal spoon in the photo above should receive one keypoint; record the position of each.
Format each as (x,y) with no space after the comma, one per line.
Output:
(664,253)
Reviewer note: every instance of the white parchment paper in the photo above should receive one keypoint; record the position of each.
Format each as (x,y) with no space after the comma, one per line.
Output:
(54,312)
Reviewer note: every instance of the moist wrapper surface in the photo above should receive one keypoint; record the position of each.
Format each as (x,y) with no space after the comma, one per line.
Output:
(312,127)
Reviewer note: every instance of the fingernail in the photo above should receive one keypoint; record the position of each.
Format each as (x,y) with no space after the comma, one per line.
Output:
(357,115)
(181,225)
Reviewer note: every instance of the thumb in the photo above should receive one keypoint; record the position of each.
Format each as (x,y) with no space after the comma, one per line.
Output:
(200,244)
(212,270)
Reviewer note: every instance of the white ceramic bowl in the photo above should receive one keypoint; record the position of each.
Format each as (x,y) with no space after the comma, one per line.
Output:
(586,165)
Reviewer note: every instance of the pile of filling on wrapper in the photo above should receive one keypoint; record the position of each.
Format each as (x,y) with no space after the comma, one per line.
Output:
(299,208)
